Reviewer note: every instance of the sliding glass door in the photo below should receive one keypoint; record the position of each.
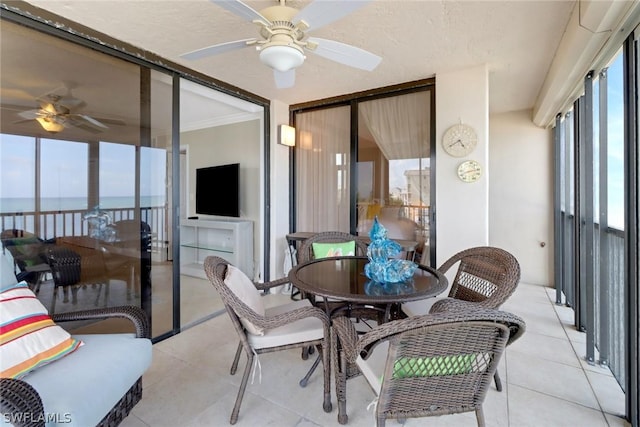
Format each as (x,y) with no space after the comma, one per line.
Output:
(368,157)
(89,158)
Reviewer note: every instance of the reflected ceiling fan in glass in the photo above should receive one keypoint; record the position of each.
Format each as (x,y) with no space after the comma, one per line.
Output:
(284,41)
(58,111)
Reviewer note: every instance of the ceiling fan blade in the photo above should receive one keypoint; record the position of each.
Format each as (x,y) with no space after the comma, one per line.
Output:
(217,49)
(23,121)
(322,12)
(345,54)
(241,9)
(284,79)
(30,114)
(85,122)
(107,121)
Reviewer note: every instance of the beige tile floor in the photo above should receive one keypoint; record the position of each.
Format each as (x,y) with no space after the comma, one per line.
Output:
(546,381)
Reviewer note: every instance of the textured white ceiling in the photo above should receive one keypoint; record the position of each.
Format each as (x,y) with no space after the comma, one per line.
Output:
(417,39)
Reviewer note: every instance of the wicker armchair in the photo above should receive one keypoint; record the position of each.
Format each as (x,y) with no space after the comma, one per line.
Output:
(294,325)
(428,365)
(486,276)
(71,270)
(305,253)
(19,398)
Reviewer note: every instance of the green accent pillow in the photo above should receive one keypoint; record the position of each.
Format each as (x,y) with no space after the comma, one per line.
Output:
(323,250)
(408,367)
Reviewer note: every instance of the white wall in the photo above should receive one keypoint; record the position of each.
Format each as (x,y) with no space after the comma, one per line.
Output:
(521,193)
(462,214)
(279,190)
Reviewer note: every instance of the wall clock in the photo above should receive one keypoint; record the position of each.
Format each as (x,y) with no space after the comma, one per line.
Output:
(459,140)
(469,171)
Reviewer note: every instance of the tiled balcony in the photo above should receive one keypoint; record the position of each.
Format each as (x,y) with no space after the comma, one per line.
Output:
(546,381)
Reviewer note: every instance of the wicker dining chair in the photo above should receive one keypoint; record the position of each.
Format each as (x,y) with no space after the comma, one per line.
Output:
(486,277)
(305,253)
(71,270)
(435,364)
(294,325)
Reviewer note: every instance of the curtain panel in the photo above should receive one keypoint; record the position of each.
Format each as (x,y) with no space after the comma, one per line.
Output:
(322,161)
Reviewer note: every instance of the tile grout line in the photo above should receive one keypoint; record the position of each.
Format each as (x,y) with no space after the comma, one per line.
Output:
(564,330)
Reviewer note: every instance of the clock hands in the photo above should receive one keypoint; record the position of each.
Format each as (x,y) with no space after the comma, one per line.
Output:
(458,141)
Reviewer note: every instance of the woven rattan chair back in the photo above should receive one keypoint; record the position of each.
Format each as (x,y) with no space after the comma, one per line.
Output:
(305,253)
(436,364)
(485,275)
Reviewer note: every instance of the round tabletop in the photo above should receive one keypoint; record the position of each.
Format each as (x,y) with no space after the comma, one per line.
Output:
(343,278)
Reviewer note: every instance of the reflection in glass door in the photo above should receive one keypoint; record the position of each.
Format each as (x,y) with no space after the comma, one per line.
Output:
(394,167)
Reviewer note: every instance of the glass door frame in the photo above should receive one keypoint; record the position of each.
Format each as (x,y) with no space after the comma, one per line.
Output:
(352,100)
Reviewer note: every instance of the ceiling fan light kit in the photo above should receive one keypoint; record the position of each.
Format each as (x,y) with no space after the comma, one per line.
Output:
(284,40)
(50,125)
(282,57)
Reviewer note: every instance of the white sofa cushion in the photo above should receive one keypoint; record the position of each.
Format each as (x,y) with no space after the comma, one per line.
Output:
(7,271)
(307,329)
(80,389)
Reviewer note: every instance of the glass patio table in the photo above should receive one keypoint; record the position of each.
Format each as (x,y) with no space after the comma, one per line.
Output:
(342,285)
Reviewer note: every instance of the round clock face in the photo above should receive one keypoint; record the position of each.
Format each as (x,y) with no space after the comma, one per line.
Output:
(459,140)
(469,171)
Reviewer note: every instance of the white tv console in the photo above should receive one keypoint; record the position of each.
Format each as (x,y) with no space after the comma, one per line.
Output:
(231,239)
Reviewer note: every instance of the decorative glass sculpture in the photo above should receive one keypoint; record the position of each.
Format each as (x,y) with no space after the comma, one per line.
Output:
(100,224)
(382,267)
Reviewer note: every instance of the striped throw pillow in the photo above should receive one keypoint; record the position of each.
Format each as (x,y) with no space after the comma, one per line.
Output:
(28,337)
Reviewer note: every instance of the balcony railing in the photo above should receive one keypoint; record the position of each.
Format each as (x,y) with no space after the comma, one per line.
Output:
(53,224)
(608,292)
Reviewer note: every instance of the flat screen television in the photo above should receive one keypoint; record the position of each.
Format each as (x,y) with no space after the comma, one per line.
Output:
(218,190)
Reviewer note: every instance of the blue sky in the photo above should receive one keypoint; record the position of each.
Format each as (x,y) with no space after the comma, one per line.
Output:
(65,169)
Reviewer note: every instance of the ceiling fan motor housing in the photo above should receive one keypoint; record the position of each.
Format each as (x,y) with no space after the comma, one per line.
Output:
(282,48)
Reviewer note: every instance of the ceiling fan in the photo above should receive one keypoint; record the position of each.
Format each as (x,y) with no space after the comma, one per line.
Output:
(58,111)
(284,41)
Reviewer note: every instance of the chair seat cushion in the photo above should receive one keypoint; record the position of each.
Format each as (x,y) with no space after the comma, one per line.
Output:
(307,329)
(420,307)
(80,389)
(247,292)
(373,368)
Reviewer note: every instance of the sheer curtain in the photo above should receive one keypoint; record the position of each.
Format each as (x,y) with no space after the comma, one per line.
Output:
(399,124)
(322,164)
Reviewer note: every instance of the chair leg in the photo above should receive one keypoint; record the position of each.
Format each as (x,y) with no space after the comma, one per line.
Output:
(341,385)
(496,379)
(53,300)
(243,386)
(305,380)
(236,359)
(480,416)
(326,368)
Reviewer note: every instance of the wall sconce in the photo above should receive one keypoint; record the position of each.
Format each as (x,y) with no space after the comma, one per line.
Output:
(287,136)
(50,125)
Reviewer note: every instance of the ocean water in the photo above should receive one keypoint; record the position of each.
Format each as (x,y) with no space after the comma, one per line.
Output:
(27,204)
